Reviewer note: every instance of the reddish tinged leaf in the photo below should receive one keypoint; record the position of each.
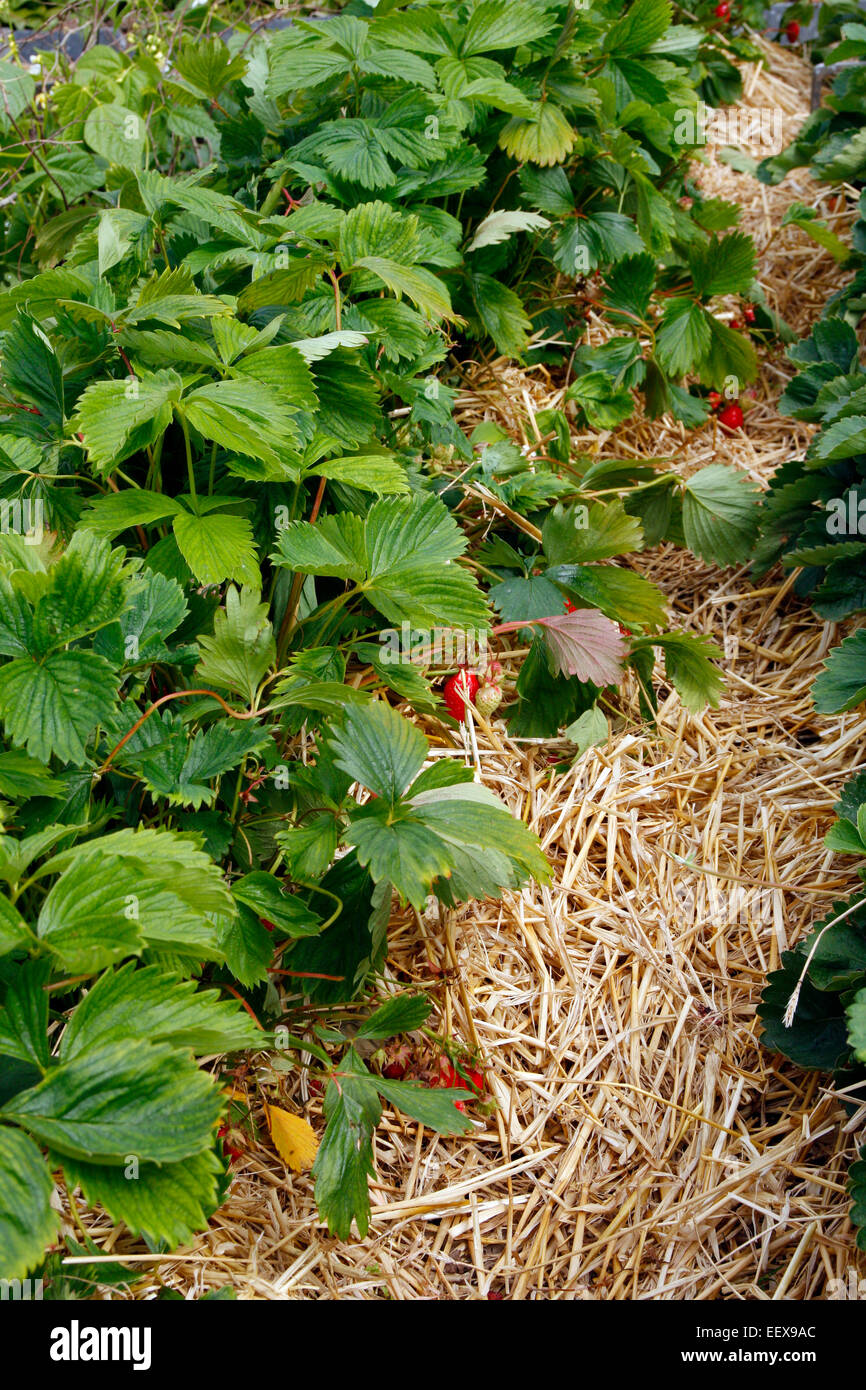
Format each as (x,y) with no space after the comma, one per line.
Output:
(585,644)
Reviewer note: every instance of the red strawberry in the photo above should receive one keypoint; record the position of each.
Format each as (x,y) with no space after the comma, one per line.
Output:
(474,1080)
(471,1079)
(723,10)
(735,324)
(269,926)
(749,314)
(229,1151)
(792,31)
(732,416)
(395,1071)
(455,692)
(715,400)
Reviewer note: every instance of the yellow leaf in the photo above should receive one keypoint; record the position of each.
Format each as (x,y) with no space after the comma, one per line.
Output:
(294,1140)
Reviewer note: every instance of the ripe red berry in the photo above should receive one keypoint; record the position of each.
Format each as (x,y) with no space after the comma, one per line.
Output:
(792,30)
(455,692)
(269,926)
(395,1071)
(459,1105)
(229,1150)
(749,314)
(732,416)
(715,400)
(735,324)
(471,1079)
(723,10)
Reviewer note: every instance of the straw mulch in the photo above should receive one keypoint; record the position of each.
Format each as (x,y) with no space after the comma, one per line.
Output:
(644,1144)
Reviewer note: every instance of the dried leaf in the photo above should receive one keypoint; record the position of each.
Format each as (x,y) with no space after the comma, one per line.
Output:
(294,1140)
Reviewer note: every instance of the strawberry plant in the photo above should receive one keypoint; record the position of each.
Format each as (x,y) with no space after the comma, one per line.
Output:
(831,140)
(813,1008)
(240,527)
(813,521)
(812,516)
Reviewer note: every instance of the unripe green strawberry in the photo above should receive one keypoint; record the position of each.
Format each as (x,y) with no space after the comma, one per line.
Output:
(488,697)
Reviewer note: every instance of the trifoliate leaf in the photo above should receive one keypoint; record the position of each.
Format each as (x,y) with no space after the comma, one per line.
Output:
(400,556)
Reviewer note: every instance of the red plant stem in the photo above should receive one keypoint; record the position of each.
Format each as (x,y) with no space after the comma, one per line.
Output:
(173,695)
(514,627)
(243,1001)
(307,975)
(317,501)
